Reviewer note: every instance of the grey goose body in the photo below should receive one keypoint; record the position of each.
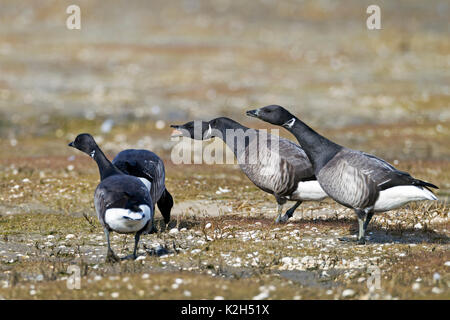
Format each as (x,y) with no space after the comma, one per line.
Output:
(122,202)
(352,178)
(284,170)
(146,164)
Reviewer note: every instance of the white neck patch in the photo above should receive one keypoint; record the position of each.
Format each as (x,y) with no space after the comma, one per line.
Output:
(290,123)
(208,133)
(92,153)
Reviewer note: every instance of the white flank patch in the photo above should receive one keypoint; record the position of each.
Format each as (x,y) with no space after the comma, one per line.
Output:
(147,183)
(395,197)
(125,220)
(309,190)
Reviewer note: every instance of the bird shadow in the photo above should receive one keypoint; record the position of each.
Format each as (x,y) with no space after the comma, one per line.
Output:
(377,234)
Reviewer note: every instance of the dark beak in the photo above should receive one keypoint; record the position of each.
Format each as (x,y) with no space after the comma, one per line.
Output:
(71,145)
(253,113)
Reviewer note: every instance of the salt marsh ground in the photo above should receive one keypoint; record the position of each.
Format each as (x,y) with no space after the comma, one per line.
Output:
(135,68)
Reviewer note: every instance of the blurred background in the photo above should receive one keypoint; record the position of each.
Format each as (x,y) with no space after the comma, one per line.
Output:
(137,66)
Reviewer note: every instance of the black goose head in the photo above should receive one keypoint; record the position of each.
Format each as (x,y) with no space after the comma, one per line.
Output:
(193,129)
(273,114)
(85,143)
(223,123)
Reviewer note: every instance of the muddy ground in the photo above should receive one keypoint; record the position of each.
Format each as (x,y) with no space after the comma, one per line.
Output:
(134,69)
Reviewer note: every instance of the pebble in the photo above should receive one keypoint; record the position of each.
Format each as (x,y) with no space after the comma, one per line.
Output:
(261,296)
(70,236)
(436,277)
(187,293)
(436,290)
(174,231)
(418,226)
(347,293)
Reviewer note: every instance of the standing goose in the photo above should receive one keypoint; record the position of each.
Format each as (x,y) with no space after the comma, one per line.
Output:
(122,202)
(287,174)
(146,164)
(355,179)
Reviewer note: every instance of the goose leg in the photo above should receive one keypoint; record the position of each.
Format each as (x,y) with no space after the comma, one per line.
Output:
(280,211)
(290,212)
(364,217)
(361,230)
(110,255)
(133,256)
(368,218)
(361,233)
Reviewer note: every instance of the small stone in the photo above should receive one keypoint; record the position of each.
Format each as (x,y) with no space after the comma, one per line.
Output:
(174,231)
(70,236)
(261,296)
(436,277)
(416,286)
(447,263)
(347,293)
(114,295)
(219,298)
(418,226)
(436,290)
(160,124)
(187,293)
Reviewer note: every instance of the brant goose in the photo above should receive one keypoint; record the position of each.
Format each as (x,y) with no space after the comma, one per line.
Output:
(146,164)
(122,202)
(287,174)
(352,178)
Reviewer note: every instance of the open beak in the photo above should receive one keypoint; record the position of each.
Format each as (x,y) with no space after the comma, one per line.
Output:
(253,113)
(71,145)
(176,132)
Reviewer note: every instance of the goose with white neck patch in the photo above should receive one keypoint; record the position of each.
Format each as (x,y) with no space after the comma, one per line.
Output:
(286,173)
(355,179)
(147,165)
(122,202)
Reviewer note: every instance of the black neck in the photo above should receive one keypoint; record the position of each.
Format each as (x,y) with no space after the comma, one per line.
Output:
(105,166)
(232,140)
(318,148)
